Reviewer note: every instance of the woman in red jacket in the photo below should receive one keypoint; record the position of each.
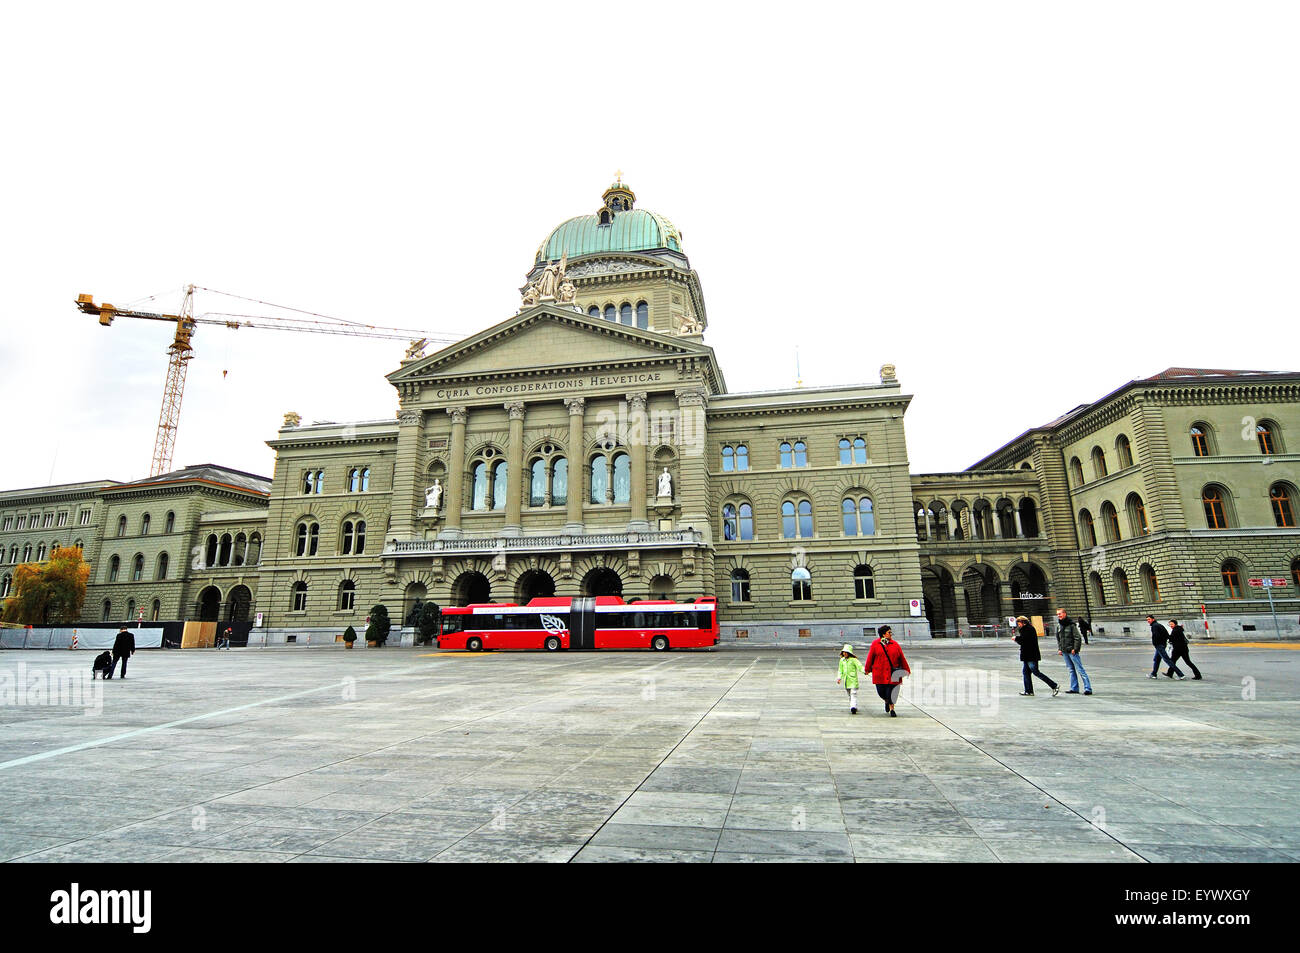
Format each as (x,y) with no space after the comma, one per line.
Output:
(884,658)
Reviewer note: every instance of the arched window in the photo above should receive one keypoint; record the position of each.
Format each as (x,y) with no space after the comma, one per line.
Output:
(1087,531)
(859,450)
(864,583)
(361,538)
(796,519)
(479,500)
(162,567)
(643,316)
(742,457)
(739,585)
(599,478)
(1124,452)
(308,539)
(1280,496)
(730,523)
(354,480)
(800,454)
(500,485)
(345,544)
(121,525)
(40,552)
(299,597)
(1150,583)
(155,611)
(308,481)
(1200,435)
(1230,573)
(610,313)
(559,481)
(227,546)
(144,525)
(1216,514)
(1137,515)
(787,456)
(1266,434)
(27,553)
(737,521)
(130,608)
(622,477)
(593,311)
(347,594)
(1111,519)
(1098,591)
(1122,590)
(114,567)
(237,554)
(728,459)
(801,584)
(537,483)
(320,481)
(846,451)
(853,450)
(625,314)
(859,516)
(108,611)
(5,584)
(210,551)
(365,479)
(1076,471)
(1098,463)
(170,525)
(255,549)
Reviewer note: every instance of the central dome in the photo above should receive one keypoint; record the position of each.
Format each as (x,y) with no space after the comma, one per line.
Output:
(617,227)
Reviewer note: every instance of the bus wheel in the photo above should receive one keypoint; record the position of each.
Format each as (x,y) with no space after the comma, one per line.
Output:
(552,643)
(474,645)
(659,643)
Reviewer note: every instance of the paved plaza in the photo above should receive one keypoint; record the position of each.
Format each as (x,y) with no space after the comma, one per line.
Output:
(399,754)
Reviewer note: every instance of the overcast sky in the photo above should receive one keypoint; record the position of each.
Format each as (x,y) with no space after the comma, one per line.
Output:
(1022,205)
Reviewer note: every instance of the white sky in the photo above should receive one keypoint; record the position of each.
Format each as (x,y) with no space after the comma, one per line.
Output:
(1022,205)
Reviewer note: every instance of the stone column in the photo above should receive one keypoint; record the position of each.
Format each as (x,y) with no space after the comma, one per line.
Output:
(577,464)
(637,437)
(690,488)
(455,495)
(997,522)
(1020,529)
(952,524)
(514,469)
(406,472)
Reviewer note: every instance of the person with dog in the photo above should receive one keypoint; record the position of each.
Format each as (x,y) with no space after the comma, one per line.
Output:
(887,664)
(123,649)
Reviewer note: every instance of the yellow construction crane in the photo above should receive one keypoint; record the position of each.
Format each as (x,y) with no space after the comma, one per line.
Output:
(182,349)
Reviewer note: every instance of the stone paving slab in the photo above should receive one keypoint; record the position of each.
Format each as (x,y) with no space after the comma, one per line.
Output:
(726,756)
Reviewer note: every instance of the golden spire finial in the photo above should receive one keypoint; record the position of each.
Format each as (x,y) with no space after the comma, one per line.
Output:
(618,176)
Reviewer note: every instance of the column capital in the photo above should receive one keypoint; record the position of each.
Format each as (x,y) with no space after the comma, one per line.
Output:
(515,409)
(691,396)
(458,415)
(636,401)
(409,418)
(576,405)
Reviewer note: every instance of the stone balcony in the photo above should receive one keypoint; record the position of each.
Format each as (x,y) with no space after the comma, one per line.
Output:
(550,543)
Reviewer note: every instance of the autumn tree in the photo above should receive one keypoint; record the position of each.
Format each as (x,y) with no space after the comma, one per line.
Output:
(51,592)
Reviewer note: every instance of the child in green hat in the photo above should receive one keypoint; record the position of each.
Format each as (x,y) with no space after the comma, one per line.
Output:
(850,668)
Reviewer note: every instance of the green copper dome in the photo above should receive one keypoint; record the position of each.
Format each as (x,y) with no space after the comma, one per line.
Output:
(617,227)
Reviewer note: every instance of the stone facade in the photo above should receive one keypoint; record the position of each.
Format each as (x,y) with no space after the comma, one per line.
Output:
(589,445)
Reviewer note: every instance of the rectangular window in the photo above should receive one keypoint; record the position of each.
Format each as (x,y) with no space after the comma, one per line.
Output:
(22,522)
(83,517)
(48,521)
(805,633)
(742,633)
(8,524)
(63,519)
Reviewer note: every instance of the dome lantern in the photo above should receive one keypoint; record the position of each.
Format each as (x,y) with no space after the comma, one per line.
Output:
(617,198)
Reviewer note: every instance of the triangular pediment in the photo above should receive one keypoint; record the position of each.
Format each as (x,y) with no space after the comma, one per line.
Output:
(547,338)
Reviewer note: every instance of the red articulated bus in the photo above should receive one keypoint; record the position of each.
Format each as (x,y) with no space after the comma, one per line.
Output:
(600,622)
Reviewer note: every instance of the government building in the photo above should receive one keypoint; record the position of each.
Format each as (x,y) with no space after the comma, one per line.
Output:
(589,445)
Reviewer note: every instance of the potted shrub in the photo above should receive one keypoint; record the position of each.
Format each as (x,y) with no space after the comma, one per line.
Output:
(380,624)
(349,636)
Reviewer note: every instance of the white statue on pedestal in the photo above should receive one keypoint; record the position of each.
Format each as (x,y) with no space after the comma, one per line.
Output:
(665,484)
(433,495)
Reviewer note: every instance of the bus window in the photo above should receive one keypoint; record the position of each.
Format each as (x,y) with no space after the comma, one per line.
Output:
(452,624)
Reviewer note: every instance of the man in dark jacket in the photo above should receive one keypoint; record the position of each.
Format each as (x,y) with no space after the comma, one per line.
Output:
(1178,641)
(1030,656)
(123,648)
(1085,629)
(1159,639)
(1068,643)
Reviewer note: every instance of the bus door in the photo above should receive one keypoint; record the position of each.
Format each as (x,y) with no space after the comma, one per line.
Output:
(582,624)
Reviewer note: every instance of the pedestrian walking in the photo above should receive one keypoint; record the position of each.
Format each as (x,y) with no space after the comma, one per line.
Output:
(1178,641)
(1085,629)
(850,669)
(1068,643)
(223,640)
(1030,656)
(1159,639)
(123,649)
(888,665)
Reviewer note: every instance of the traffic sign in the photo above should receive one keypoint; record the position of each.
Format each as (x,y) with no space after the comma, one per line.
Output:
(1256,583)
(915,607)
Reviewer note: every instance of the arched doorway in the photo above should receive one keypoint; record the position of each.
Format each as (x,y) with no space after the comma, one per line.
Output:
(940,592)
(471,588)
(210,604)
(416,594)
(661,587)
(983,595)
(602,582)
(534,584)
(238,604)
(1029,595)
